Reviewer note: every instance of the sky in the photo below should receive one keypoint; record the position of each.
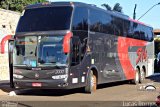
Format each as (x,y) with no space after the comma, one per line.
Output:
(152,18)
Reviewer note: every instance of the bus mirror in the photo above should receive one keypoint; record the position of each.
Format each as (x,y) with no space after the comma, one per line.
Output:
(3,42)
(10,45)
(66,42)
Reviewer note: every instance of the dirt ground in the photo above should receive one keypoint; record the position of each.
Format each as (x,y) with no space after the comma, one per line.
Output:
(111,94)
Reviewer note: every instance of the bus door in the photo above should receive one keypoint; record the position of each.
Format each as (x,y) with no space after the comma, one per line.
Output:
(75,60)
(10,57)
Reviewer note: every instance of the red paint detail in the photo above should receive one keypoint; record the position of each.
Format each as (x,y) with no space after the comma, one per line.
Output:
(123,54)
(66,42)
(17,71)
(142,55)
(136,21)
(6,38)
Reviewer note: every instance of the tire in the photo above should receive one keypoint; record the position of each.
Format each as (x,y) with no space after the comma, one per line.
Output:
(142,76)
(12,85)
(91,83)
(136,79)
(11,82)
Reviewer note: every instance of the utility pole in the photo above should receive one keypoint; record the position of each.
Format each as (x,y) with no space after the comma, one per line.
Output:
(134,13)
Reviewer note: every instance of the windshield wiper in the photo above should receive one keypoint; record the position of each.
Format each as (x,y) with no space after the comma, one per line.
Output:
(41,61)
(24,65)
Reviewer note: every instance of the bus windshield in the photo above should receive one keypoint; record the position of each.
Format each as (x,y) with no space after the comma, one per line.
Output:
(45,19)
(50,50)
(36,51)
(25,51)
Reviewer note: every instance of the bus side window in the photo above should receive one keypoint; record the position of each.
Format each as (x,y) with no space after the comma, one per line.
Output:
(149,35)
(136,29)
(126,28)
(75,51)
(83,47)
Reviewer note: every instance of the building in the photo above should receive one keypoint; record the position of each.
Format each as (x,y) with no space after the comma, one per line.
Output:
(157,49)
(157,31)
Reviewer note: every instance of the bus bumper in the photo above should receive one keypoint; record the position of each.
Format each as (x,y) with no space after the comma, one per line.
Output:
(42,84)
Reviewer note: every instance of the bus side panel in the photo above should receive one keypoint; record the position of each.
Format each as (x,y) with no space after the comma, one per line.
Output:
(117,57)
(128,50)
(78,73)
(105,57)
(150,52)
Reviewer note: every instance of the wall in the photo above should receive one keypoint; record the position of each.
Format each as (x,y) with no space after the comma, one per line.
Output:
(8,23)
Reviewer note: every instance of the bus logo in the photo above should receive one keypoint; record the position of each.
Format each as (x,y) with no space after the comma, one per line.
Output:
(36,75)
(142,55)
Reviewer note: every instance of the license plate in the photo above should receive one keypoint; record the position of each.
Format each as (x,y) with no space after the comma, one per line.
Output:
(36,84)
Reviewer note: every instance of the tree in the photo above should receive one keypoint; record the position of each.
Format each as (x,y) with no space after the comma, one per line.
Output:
(107,6)
(116,7)
(17,5)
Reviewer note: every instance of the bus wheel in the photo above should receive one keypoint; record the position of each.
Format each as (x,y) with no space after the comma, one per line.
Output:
(142,76)
(136,79)
(91,83)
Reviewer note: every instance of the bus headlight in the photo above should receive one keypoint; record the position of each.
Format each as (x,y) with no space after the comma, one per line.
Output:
(18,76)
(59,76)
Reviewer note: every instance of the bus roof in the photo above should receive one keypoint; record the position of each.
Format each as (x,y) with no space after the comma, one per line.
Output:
(52,4)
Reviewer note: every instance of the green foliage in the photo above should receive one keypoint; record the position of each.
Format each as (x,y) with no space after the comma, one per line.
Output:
(107,6)
(116,7)
(17,5)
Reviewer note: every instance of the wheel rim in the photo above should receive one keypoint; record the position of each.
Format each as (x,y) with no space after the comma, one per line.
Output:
(137,77)
(142,75)
(93,83)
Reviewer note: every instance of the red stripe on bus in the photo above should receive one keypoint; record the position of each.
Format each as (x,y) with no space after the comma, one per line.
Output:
(136,21)
(123,46)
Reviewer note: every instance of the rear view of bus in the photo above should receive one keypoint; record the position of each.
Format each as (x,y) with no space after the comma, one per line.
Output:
(42,44)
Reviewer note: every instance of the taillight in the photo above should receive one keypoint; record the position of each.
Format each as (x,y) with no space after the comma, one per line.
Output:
(66,42)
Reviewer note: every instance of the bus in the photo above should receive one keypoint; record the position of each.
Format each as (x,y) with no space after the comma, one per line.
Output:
(66,45)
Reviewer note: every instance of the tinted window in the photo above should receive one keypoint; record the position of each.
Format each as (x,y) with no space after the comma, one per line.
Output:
(80,19)
(45,19)
(143,33)
(100,22)
(126,28)
(50,50)
(95,21)
(136,31)
(25,50)
(149,34)
(76,53)
(118,26)
(107,24)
